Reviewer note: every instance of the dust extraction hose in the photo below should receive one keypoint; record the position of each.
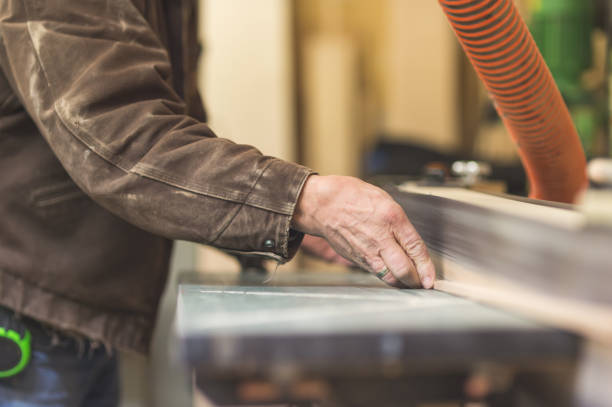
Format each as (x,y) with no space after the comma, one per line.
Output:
(503,52)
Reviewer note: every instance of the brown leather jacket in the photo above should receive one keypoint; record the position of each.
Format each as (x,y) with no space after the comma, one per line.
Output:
(105,157)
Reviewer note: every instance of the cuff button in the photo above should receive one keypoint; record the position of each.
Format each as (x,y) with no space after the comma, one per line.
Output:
(269,244)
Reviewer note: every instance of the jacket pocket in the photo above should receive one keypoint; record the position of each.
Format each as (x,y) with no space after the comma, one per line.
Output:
(59,203)
(56,194)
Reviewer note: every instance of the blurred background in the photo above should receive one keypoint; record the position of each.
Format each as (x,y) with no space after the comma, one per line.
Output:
(368,88)
(382,87)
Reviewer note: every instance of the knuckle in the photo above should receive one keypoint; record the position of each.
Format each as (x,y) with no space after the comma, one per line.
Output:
(373,261)
(392,213)
(415,244)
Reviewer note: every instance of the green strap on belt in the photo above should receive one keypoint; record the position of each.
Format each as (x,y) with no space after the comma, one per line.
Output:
(15,351)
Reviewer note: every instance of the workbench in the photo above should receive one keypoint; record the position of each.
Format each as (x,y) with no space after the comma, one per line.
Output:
(521,316)
(345,339)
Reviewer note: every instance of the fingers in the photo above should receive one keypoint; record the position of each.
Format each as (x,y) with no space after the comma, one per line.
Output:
(400,265)
(415,248)
(387,277)
(392,281)
(363,223)
(385,274)
(405,251)
(407,259)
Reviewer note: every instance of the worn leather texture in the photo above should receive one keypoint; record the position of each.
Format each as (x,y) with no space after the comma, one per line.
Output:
(105,158)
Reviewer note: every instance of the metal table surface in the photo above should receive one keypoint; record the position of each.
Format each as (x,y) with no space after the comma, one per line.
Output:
(350,325)
(330,327)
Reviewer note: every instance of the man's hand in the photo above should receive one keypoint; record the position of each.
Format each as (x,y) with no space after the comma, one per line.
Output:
(366,226)
(318,247)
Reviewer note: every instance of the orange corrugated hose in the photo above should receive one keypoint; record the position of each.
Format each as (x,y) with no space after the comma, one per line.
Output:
(501,48)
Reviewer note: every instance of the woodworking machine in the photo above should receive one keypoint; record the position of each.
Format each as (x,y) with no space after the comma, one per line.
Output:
(347,340)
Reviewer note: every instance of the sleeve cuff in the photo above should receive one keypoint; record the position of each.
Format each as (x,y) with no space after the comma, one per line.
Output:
(262,225)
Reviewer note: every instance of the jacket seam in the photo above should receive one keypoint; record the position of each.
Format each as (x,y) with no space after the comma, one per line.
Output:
(6,101)
(299,190)
(268,255)
(67,196)
(148,171)
(302,181)
(74,300)
(231,220)
(135,338)
(87,140)
(103,152)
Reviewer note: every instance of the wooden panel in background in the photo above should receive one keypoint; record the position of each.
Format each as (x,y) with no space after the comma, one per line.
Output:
(422,71)
(247,73)
(331,144)
(247,82)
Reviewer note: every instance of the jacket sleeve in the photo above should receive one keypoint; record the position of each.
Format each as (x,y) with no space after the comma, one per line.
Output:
(95,79)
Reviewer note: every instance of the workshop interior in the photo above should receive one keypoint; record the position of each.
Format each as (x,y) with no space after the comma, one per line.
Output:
(489,122)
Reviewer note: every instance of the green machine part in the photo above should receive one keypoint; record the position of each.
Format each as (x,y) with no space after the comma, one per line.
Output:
(563,29)
(15,351)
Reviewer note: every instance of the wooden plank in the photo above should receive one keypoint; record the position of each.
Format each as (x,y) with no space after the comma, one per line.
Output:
(421,70)
(582,317)
(564,218)
(544,262)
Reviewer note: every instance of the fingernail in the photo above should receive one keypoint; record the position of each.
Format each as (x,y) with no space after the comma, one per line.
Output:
(427,282)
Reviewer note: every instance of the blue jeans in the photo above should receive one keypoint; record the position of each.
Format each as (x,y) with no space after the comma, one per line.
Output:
(63,372)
